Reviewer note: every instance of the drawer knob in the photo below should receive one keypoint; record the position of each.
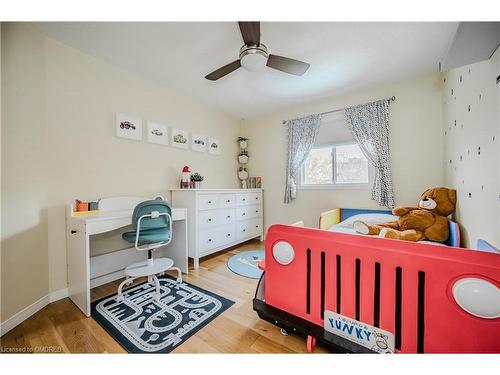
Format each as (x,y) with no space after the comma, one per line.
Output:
(256,226)
(256,211)
(228,217)
(228,201)
(244,230)
(209,240)
(209,202)
(209,219)
(244,199)
(228,235)
(256,198)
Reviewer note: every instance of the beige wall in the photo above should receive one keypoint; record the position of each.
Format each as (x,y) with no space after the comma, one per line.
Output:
(416,151)
(24,190)
(59,143)
(466,169)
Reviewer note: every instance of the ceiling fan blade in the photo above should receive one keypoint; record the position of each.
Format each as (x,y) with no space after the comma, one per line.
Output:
(221,72)
(250,31)
(287,65)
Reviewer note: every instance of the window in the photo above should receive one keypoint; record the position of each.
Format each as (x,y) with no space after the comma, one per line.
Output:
(339,165)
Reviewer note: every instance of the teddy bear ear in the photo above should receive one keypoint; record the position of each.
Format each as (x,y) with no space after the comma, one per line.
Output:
(425,192)
(452,195)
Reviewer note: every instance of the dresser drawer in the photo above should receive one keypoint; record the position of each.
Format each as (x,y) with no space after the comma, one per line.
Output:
(208,239)
(227,200)
(248,228)
(248,212)
(243,199)
(211,238)
(255,198)
(226,216)
(254,211)
(242,213)
(227,234)
(207,219)
(207,201)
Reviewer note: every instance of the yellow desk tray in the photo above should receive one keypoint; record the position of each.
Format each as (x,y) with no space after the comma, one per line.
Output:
(86,213)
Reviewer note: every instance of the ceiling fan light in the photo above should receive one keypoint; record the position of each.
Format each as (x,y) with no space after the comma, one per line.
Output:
(253,58)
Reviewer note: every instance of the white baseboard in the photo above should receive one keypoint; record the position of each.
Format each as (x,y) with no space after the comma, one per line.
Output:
(24,314)
(58,294)
(28,311)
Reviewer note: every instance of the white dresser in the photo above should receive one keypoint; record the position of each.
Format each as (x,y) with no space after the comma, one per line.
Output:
(219,219)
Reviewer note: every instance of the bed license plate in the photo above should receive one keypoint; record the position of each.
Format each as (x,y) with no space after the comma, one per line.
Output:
(371,337)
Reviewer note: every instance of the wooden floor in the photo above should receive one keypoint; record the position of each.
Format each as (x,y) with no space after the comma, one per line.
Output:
(62,327)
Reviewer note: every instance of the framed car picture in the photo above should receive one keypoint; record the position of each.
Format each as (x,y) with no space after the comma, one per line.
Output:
(214,146)
(129,127)
(198,142)
(157,133)
(179,138)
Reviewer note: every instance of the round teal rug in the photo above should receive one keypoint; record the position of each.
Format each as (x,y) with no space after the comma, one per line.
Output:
(246,263)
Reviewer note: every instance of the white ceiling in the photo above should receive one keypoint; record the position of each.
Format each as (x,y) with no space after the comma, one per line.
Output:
(344,57)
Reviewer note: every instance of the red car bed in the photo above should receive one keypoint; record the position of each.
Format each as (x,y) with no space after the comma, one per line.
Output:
(362,294)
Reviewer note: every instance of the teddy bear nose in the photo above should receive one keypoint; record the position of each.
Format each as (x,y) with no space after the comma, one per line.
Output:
(425,199)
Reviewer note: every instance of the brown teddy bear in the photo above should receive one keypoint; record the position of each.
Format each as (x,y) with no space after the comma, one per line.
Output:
(427,221)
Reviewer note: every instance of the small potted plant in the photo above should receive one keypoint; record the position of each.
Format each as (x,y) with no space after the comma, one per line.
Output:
(196,178)
(243,157)
(243,142)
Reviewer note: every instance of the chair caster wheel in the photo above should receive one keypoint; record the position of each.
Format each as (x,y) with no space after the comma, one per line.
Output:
(284,332)
(311,343)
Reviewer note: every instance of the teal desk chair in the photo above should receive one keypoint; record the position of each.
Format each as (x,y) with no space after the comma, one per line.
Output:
(152,224)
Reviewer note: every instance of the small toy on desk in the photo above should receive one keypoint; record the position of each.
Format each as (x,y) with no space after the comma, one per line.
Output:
(81,206)
(94,206)
(85,208)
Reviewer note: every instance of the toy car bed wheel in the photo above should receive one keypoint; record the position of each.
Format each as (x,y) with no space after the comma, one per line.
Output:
(311,343)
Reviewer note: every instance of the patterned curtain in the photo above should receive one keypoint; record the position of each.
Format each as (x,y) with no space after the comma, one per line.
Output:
(302,133)
(369,124)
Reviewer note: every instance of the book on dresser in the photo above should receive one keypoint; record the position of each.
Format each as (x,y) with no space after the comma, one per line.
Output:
(219,219)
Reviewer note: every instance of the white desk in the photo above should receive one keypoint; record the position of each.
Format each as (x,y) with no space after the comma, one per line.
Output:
(85,271)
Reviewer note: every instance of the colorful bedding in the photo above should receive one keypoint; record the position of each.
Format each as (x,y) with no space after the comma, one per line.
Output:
(345,226)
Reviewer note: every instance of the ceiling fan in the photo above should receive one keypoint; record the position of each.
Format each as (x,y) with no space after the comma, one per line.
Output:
(254,56)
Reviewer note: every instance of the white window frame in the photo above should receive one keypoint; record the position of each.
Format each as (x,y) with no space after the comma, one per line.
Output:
(334,185)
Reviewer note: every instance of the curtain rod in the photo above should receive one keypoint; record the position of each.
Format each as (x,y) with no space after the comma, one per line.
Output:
(391,99)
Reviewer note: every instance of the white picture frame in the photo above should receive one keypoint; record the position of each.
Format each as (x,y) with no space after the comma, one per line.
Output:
(129,127)
(179,138)
(157,133)
(198,142)
(214,146)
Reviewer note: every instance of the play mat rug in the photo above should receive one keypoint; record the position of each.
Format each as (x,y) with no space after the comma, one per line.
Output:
(246,263)
(142,325)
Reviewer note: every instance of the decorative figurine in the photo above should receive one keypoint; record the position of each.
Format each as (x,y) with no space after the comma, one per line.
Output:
(186,178)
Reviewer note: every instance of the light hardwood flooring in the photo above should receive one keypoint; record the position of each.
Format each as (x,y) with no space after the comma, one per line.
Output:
(61,327)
